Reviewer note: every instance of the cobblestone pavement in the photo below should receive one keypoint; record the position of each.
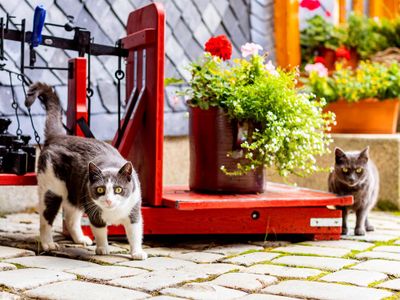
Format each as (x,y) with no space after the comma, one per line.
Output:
(202,268)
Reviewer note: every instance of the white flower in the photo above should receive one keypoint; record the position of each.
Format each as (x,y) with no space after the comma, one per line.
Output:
(271,68)
(250,49)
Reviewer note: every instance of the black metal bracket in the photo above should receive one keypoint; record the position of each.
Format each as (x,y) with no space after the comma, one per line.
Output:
(81,42)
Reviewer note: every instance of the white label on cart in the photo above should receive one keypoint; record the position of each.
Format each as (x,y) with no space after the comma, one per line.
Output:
(326,222)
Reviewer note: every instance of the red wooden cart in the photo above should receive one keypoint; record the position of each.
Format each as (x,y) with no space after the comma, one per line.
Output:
(281,209)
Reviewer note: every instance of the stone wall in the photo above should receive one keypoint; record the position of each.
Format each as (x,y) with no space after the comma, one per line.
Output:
(189,24)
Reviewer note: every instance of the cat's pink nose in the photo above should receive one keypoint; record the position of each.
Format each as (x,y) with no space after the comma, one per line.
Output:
(108,202)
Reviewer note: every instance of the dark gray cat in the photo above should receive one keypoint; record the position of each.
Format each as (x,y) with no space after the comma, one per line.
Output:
(355,174)
(84,175)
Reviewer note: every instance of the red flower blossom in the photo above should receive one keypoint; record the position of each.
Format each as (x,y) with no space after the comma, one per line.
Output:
(342,52)
(320,59)
(314,4)
(219,46)
(310,4)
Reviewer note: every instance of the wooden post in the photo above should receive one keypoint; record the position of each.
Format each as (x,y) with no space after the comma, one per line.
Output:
(386,9)
(342,11)
(358,6)
(287,32)
(391,8)
(375,8)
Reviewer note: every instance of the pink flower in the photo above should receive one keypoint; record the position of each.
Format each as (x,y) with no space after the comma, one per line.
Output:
(271,68)
(250,49)
(175,100)
(321,70)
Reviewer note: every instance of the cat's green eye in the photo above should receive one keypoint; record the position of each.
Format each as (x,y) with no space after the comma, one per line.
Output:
(359,170)
(100,190)
(345,170)
(118,190)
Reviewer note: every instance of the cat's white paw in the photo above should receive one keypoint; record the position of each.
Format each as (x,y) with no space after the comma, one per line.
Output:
(85,240)
(51,246)
(102,250)
(139,255)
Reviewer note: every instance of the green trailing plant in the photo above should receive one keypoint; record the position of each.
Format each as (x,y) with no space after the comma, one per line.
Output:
(316,35)
(390,29)
(369,80)
(363,34)
(208,85)
(285,128)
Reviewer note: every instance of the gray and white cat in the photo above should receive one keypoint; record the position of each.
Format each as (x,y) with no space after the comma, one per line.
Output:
(355,174)
(84,175)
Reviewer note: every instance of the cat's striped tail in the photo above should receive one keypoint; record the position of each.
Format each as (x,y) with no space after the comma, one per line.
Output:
(52,104)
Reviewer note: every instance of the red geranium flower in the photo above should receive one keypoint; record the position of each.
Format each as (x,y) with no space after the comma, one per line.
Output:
(310,4)
(342,52)
(219,46)
(320,59)
(314,4)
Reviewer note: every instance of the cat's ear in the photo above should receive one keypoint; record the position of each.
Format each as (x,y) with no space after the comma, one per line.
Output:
(340,156)
(94,172)
(126,171)
(364,155)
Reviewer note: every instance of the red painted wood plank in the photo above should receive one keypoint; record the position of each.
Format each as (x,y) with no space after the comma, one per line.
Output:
(140,39)
(276,195)
(77,101)
(269,221)
(144,135)
(12,179)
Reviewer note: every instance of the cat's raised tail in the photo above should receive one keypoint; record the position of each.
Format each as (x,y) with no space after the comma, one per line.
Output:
(52,104)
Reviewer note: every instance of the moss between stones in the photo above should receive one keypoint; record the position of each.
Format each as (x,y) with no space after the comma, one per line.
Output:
(19,266)
(388,243)
(317,277)
(99,262)
(393,297)
(80,277)
(288,265)
(352,254)
(249,252)
(300,254)
(352,265)
(5,288)
(372,284)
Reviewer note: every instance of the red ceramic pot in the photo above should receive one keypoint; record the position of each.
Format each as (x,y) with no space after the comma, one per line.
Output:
(212,135)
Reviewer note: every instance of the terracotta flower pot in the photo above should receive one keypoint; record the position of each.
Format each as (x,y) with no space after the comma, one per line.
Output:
(212,135)
(365,116)
(329,57)
(353,61)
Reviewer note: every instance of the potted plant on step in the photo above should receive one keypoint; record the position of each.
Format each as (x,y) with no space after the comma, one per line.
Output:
(364,100)
(246,114)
